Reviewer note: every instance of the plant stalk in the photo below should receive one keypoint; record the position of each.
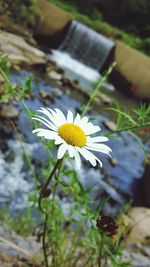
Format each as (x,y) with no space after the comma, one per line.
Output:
(45,212)
(100,251)
(102,80)
(128,129)
(47,183)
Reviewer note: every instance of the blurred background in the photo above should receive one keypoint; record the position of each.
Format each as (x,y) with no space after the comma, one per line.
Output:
(58,51)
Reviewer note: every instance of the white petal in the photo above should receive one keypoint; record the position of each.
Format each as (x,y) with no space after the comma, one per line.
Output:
(77,159)
(57,117)
(47,134)
(70,117)
(107,152)
(45,122)
(53,116)
(77,119)
(99,161)
(99,146)
(37,119)
(87,155)
(91,129)
(97,139)
(59,140)
(62,150)
(84,120)
(49,115)
(71,151)
(60,115)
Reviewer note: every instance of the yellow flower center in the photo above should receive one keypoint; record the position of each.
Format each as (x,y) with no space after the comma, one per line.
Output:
(72,134)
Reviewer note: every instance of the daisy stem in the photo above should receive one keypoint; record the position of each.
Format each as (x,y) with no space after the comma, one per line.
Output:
(57,165)
(102,80)
(100,251)
(47,182)
(128,128)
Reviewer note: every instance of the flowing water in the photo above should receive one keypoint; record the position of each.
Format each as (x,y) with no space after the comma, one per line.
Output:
(86,45)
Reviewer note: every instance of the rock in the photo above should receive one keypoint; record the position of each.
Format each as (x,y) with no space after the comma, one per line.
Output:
(132,70)
(14,248)
(19,51)
(110,125)
(133,255)
(8,261)
(50,29)
(45,95)
(105,99)
(139,223)
(58,92)
(113,161)
(9,112)
(54,75)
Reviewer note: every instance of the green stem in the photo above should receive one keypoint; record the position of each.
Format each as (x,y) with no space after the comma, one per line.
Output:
(100,251)
(45,212)
(44,240)
(128,129)
(4,76)
(47,183)
(54,245)
(100,83)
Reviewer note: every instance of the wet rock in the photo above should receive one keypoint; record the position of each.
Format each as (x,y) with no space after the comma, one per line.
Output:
(113,161)
(9,112)
(71,84)
(110,125)
(14,248)
(57,92)
(46,96)
(55,75)
(8,261)
(105,99)
(139,225)
(135,256)
(19,51)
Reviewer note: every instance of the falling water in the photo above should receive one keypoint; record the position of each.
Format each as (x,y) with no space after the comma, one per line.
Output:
(86,45)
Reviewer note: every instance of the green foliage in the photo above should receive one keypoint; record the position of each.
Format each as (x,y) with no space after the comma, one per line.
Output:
(129,15)
(22,225)
(22,11)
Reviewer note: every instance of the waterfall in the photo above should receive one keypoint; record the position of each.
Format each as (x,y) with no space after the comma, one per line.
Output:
(86,45)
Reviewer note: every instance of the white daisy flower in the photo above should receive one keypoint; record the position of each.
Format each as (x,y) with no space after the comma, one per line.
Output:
(72,135)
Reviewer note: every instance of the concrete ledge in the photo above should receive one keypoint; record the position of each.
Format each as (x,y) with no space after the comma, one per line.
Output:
(132,71)
(52,23)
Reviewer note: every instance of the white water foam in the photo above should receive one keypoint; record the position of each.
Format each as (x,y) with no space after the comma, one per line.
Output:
(76,70)
(65,61)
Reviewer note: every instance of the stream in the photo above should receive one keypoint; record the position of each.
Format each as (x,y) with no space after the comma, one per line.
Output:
(119,178)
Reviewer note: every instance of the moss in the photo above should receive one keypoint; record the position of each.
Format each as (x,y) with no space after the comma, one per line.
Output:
(22,12)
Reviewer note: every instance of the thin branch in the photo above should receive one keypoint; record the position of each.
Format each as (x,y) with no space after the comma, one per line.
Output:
(128,129)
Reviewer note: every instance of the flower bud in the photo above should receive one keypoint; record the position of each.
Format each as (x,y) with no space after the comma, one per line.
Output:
(107,225)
